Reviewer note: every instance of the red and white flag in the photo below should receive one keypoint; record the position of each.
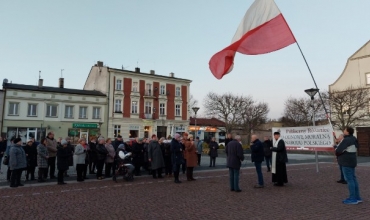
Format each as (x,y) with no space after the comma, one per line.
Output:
(262,30)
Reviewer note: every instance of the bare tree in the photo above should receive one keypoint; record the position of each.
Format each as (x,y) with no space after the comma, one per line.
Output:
(252,114)
(349,107)
(192,103)
(224,107)
(299,111)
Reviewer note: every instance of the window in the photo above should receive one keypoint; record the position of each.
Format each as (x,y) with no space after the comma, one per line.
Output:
(162,109)
(162,90)
(51,110)
(96,112)
(117,106)
(117,130)
(13,108)
(177,110)
(83,112)
(368,78)
(178,91)
(135,86)
(148,107)
(134,107)
(68,113)
(32,110)
(148,89)
(118,84)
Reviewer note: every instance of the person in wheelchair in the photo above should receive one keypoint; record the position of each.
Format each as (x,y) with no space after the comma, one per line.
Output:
(124,164)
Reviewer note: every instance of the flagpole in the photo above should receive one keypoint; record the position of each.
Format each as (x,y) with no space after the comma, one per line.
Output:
(314,81)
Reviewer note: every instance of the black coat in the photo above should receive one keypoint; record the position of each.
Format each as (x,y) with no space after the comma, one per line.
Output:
(31,151)
(234,153)
(227,141)
(281,155)
(213,147)
(92,152)
(101,151)
(116,143)
(2,148)
(176,152)
(63,155)
(138,153)
(257,151)
(267,144)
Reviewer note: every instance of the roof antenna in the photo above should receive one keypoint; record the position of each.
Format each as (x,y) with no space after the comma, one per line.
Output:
(61,73)
(39,74)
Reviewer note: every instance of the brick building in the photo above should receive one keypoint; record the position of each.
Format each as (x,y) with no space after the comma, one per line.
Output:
(141,104)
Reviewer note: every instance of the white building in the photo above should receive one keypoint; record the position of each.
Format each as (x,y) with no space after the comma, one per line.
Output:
(32,111)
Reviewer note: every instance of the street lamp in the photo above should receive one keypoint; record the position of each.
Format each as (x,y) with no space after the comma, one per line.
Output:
(100,124)
(195,109)
(312,92)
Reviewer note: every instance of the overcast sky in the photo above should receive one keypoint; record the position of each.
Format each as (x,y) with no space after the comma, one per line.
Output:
(180,37)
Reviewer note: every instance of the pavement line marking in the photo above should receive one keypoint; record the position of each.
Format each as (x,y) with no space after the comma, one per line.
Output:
(34,194)
(149,182)
(67,190)
(77,189)
(161,181)
(5,196)
(169,180)
(117,185)
(19,195)
(103,187)
(92,188)
(49,192)
(128,184)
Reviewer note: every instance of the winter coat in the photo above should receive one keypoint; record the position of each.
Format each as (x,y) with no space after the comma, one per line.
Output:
(138,153)
(91,151)
(155,154)
(234,153)
(267,144)
(227,141)
(42,154)
(347,151)
(17,158)
(2,148)
(191,154)
(101,152)
(257,151)
(52,147)
(281,155)
(116,143)
(31,155)
(213,147)
(80,154)
(176,151)
(71,150)
(167,149)
(199,146)
(63,153)
(111,153)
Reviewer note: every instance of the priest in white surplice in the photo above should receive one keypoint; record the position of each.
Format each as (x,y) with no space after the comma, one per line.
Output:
(279,160)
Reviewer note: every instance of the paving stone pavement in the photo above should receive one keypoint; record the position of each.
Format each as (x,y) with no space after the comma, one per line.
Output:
(308,195)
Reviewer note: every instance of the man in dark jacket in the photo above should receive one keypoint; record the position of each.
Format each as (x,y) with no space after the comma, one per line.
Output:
(2,151)
(63,155)
(235,156)
(213,153)
(228,139)
(138,155)
(267,145)
(177,156)
(257,155)
(279,160)
(347,158)
(117,142)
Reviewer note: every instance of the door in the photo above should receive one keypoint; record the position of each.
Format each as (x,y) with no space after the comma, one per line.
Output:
(85,135)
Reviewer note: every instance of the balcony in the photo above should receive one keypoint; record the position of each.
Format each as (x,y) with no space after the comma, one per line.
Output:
(148,116)
(149,93)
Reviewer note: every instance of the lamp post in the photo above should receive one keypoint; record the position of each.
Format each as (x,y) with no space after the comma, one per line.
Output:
(312,92)
(100,124)
(195,109)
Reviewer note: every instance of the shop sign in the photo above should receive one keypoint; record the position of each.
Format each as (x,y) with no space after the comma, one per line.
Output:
(134,127)
(81,125)
(211,129)
(180,129)
(194,128)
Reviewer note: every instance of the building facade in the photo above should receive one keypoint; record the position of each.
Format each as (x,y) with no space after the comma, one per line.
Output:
(207,128)
(141,104)
(1,112)
(33,111)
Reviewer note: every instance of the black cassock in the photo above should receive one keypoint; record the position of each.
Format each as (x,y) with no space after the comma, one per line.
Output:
(280,176)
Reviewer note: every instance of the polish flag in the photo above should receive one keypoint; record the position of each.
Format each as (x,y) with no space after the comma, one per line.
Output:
(262,30)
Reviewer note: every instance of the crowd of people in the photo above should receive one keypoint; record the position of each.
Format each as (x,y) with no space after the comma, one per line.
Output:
(155,156)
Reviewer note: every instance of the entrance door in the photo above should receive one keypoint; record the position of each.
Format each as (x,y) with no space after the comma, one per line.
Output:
(85,135)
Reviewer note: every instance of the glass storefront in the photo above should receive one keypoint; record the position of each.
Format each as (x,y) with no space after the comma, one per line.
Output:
(25,133)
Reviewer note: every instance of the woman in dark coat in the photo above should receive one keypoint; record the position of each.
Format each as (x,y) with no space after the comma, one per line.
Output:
(100,159)
(63,155)
(138,155)
(155,157)
(177,156)
(31,155)
(92,156)
(167,157)
(213,147)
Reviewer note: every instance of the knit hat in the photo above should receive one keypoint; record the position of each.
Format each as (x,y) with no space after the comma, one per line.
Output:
(17,140)
(177,135)
(63,142)
(101,138)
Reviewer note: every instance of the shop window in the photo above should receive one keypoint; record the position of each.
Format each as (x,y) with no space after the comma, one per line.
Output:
(13,108)
(134,133)
(51,110)
(32,110)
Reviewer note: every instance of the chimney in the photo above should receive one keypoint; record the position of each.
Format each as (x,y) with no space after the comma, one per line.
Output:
(152,72)
(41,81)
(137,70)
(61,83)
(100,63)
(172,74)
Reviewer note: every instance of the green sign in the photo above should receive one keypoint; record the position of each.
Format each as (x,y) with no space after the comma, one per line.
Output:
(80,125)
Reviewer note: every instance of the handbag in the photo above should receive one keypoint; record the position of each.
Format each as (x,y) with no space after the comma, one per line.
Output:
(6,161)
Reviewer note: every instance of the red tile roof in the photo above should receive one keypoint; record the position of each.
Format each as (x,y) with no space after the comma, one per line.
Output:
(207,122)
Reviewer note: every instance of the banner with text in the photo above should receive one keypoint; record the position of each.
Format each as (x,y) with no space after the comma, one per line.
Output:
(313,138)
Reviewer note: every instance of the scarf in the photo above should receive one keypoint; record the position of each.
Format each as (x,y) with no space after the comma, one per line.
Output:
(273,164)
